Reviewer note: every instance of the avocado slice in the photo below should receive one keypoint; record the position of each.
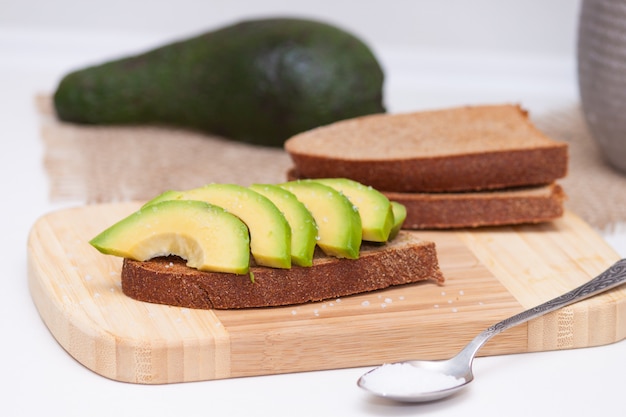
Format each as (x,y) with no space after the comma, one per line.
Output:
(259,81)
(338,221)
(399,216)
(183,228)
(270,233)
(374,207)
(301,221)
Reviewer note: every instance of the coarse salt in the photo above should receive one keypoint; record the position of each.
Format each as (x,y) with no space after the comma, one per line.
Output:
(404,379)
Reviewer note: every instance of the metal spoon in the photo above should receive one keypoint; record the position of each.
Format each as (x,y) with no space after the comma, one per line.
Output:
(458,369)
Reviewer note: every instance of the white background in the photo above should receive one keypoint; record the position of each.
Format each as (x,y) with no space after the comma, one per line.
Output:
(529,27)
(435,53)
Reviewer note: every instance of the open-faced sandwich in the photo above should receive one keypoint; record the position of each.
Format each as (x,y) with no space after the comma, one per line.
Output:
(223,246)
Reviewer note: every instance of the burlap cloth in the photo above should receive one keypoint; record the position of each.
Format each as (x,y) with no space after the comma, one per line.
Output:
(105,164)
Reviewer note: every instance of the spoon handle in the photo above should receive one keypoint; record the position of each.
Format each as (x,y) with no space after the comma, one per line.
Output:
(612,277)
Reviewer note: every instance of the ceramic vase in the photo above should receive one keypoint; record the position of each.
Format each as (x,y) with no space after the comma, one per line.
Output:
(601,63)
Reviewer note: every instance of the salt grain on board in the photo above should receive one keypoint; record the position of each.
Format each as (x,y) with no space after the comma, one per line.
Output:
(403,379)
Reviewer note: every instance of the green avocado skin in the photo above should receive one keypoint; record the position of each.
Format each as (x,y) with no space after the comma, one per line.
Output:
(257,81)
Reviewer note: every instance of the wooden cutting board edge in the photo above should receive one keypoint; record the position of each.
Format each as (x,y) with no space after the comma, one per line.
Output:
(105,354)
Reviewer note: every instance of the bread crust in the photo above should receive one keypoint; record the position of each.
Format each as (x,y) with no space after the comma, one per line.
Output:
(486,171)
(460,149)
(166,280)
(475,209)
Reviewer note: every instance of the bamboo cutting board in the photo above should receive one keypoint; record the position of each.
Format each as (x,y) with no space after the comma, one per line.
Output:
(490,274)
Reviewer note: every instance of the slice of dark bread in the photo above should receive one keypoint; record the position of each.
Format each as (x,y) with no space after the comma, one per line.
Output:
(487,208)
(167,280)
(454,210)
(456,149)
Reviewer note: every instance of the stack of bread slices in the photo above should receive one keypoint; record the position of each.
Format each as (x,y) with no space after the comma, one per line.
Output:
(470,166)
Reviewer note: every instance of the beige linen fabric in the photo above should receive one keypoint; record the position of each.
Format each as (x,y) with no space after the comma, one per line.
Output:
(98,164)
(102,163)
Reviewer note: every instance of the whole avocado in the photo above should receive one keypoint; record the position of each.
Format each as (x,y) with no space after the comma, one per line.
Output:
(257,81)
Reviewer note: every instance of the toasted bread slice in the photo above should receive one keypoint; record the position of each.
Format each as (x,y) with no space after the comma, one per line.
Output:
(487,208)
(457,149)
(406,259)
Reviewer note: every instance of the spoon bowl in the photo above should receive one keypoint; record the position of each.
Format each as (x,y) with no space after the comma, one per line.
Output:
(422,381)
(409,375)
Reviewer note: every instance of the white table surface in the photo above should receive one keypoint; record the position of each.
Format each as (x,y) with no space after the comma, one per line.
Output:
(39,378)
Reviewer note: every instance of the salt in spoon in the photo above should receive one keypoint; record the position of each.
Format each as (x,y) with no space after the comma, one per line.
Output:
(422,381)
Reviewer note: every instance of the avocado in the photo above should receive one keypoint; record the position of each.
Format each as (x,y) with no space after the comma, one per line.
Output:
(270,233)
(338,222)
(399,216)
(258,81)
(301,221)
(183,228)
(374,207)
